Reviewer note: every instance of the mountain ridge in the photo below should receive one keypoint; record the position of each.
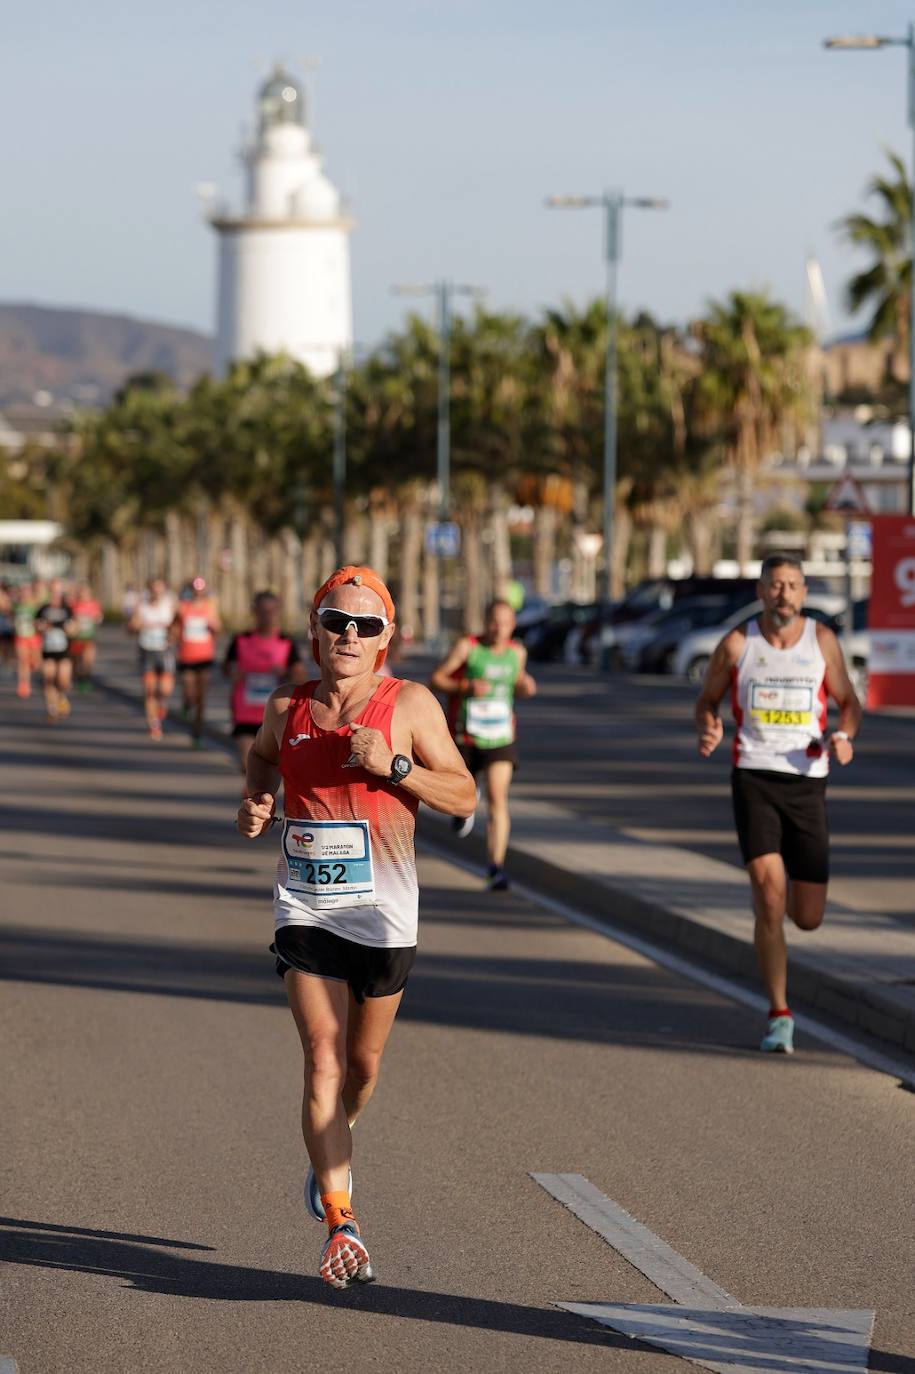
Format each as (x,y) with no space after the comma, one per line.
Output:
(82,356)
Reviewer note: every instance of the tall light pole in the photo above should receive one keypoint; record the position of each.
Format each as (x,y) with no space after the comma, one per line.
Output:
(443,291)
(340,458)
(613,204)
(853,42)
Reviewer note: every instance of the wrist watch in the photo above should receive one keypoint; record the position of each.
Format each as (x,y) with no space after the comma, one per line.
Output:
(401,767)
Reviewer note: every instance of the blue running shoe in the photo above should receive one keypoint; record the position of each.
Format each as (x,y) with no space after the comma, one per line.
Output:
(313,1201)
(345,1259)
(779,1036)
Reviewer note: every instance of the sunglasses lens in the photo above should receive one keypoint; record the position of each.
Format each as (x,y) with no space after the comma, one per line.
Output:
(367,626)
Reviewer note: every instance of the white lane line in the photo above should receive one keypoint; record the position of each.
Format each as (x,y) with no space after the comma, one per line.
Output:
(666,1269)
(686,968)
(8,1365)
(708,1326)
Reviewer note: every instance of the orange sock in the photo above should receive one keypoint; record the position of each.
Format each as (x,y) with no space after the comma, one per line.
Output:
(337,1209)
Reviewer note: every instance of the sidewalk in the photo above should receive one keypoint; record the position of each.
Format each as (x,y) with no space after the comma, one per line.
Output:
(858,969)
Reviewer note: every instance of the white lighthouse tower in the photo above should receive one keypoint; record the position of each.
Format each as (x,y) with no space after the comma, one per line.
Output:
(284,274)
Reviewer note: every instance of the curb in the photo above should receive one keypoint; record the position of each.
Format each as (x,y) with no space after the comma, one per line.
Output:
(871,1008)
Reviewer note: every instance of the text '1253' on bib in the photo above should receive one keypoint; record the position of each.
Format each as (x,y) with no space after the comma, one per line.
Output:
(329,863)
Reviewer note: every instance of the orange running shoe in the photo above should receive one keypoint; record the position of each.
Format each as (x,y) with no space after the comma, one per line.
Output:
(23,689)
(345,1259)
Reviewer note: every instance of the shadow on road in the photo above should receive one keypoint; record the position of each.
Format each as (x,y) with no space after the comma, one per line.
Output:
(598,1003)
(145,1267)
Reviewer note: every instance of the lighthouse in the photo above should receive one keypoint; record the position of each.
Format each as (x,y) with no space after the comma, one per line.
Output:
(284,273)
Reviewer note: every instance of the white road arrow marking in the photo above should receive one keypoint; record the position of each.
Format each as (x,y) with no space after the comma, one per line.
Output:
(708,1326)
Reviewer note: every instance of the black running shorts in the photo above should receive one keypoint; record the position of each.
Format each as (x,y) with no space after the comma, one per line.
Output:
(477,759)
(370,971)
(244,727)
(196,667)
(779,813)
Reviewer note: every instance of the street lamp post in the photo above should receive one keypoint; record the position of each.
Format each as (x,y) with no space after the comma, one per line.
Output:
(855,42)
(443,291)
(612,203)
(340,459)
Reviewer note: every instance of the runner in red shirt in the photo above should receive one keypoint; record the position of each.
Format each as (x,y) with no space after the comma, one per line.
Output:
(194,631)
(257,662)
(356,753)
(88,616)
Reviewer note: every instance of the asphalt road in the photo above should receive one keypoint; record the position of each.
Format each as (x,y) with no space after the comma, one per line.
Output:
(151,1159)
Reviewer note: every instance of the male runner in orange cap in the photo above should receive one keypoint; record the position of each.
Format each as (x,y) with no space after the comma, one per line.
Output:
(356,753)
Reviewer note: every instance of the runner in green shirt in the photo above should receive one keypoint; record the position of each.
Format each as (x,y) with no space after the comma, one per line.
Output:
(483,676)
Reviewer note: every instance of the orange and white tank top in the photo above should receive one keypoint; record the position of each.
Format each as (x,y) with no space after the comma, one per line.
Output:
(347,862)
(779,701)
(197,643)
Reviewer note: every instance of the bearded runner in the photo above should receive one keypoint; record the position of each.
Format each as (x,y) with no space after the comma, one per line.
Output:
(356,753)
(781,669)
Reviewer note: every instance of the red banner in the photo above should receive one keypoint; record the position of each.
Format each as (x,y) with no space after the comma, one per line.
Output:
(891,614)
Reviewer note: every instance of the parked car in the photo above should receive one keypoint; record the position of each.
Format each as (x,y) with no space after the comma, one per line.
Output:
(545,640)
(654,642)
(692,655)
(656,597)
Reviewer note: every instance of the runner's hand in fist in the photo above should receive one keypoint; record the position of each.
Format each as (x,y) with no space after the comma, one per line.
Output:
(710,737)
(369,751)
(255,814)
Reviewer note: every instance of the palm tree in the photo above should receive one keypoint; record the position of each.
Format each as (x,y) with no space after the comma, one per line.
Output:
(753,382)
(885,286)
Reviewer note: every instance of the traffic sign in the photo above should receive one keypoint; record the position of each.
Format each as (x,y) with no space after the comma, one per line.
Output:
(860,539)
(443,538)
(847,497)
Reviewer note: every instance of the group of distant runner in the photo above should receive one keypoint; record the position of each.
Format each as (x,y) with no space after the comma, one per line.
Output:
(356,749)
(47,630)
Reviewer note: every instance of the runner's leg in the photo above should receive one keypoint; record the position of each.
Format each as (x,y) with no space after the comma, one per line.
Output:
(24,668)
(770,900)
(498,821)
(807,904)
(203,682)
(64,681)
(320,1007)
(49,678)
(151,701)
(369,1026)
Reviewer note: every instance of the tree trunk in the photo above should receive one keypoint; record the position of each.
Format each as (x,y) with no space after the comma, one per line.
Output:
(622,536)
(699,527)
(288,582)
(500,543)
(657,551)
(173,549)
(411,542)
(544,549)
(745,518)
(431,598)
(473,572)
(379,530)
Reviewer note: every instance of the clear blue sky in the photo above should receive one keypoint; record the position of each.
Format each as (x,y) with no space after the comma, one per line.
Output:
(447,122)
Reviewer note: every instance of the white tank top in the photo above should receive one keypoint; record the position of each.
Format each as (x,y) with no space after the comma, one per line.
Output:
(155,619)
(779,698)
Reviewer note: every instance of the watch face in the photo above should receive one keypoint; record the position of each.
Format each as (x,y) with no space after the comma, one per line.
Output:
(402,765)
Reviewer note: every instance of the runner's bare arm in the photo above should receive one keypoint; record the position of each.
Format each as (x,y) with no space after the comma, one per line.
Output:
(443,677)
(262,774)
(525,686)
(717,680)
(420,731)
(840,688)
